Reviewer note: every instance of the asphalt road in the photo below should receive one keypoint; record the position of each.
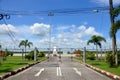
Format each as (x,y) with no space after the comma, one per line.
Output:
(66,69)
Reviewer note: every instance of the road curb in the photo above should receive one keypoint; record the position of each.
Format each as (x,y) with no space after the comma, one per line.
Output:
(111,75)
(8,74)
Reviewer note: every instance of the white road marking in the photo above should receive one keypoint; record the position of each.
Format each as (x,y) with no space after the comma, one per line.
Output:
(59,73)
(78,72)
(41,70)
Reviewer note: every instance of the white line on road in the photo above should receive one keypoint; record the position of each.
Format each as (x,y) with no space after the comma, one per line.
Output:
(59,73)
(41,70)
(78,72)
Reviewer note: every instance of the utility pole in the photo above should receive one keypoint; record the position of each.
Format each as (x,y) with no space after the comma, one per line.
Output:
(114,46)
(50,14)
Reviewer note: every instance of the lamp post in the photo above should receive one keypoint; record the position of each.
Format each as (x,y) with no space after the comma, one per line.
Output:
(50,31)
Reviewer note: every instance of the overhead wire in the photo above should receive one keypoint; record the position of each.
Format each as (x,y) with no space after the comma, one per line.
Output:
(9,32)
(55,11)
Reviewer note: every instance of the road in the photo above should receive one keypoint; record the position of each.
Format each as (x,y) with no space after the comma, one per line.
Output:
(66,69)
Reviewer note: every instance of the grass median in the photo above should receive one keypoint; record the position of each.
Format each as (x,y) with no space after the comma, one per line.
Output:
(102,65)
(15,62)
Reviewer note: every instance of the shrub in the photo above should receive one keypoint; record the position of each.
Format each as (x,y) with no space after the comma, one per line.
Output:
(41,54)
(30,56)
(90,56)
(9,53)
(119,56)
(78,53)
(110,58)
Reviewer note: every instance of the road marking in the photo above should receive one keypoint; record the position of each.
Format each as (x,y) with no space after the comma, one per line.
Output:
(41,70)
(78,72)
(59,73)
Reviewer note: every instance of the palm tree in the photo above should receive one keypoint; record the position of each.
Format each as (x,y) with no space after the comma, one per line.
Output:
(25,43)
(114,12)
(96,40)
(113,31)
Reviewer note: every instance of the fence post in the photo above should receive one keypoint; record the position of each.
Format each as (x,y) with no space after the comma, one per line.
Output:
(84,55)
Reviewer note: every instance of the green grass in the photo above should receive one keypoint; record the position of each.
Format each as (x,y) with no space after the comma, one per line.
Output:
(13,63)
(103,65)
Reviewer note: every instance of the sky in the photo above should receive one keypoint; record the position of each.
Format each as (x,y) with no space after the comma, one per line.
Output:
(71,25)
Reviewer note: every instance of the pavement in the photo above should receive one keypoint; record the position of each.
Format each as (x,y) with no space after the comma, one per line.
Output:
(58,69)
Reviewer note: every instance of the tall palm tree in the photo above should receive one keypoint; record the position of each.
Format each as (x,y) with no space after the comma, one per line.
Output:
(96,40)
(26,44)
(114,12)
(113,32)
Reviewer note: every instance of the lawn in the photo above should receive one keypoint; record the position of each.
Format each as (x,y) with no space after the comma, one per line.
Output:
(13,63)
(103,65)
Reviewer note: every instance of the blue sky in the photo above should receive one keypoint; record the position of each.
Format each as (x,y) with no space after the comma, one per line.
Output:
(67,30)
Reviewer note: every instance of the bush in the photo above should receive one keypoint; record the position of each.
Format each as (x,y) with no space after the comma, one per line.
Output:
(78,53)
(9,53)
(41,54)
(110,58)
(90,56)
(30,56)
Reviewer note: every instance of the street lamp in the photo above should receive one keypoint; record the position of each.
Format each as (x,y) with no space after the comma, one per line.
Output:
(50,14)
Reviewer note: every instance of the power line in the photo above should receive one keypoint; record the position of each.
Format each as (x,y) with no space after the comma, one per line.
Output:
(56,11)
(10,33)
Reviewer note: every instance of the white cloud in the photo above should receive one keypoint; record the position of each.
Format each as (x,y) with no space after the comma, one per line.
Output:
(91,31)
(44,41)
(40,29)
(62,36)
(4,29)
(106,2)
(87,31)
(62,28)
(82,28)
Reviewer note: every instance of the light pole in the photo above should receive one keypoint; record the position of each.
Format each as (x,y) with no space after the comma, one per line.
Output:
(50,31)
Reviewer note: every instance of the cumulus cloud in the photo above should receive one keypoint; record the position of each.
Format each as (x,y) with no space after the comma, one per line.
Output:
(91,31)
(40,29)
(4,29)
(88,31)
(62,36)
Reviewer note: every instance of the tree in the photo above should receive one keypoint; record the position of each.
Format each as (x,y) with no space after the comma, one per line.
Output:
(113,31)
(114,12)
(96,40)
(26,44)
